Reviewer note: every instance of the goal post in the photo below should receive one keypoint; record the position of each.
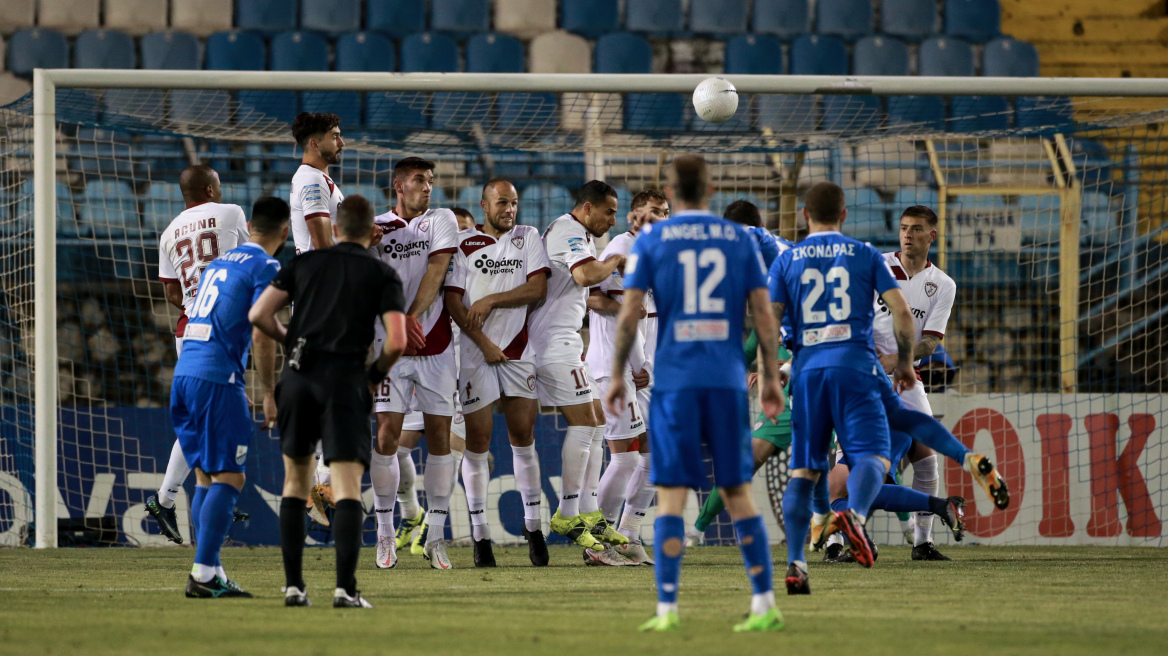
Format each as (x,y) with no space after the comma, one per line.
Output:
(802,140)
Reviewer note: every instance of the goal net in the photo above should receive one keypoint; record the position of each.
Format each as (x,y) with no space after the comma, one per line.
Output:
(1052,225)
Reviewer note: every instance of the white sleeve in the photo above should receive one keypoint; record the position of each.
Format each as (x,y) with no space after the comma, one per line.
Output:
(939,313)
(568,247)
(240,227)
(537,257)
(444,233)
(456,274)
(314,199)
(166,272)
(614,284)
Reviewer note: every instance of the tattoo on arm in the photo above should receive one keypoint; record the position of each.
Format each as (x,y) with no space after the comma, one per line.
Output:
(904,347)
(926,346)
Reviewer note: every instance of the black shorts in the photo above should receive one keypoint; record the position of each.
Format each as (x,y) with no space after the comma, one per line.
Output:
(327,401)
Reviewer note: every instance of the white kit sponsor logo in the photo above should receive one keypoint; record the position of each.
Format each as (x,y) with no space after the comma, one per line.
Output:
(199,332)
(834,333)
(702,330)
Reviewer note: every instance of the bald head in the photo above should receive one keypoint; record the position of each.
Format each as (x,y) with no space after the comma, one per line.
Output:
(199,184)
(500,205)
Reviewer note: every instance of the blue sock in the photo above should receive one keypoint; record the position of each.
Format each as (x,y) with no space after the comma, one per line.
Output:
(898,498)
(840,505)
(928,431)
(215,522)
(668,547)
(797,517)
(197,509)
(864,483)
(756,553)
(820,499)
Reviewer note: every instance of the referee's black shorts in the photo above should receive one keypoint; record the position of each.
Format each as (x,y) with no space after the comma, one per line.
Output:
(328,401)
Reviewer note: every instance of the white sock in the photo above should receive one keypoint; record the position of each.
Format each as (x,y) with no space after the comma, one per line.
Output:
(924,480)
(835,538)
(611,493)
(324,475)
(638,497)
(475,476)
(437,481)
(761,603)
(663,608)
(384,474)
(525,461)
(574,456)
(219,571)
(177,471)
(203,573)
(588,499)
(456,458)
(407,492)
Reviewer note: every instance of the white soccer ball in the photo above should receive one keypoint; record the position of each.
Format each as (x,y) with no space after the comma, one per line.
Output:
(715,100)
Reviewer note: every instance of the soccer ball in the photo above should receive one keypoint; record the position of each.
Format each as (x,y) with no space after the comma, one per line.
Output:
(715,100)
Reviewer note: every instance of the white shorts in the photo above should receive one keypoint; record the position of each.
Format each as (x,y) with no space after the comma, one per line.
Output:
(630,422)
(178,345)
(414,422)
(432,379)
(643,396)
(559,384)
(916,399)
(479,387)
(458,424)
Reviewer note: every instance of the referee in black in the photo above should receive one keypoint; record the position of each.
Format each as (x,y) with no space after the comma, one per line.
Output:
(324,393)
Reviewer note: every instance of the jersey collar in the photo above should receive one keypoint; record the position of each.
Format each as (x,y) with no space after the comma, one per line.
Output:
(822,232)
(252,244)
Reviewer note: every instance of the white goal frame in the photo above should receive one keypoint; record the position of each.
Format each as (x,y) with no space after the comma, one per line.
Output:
(47,81)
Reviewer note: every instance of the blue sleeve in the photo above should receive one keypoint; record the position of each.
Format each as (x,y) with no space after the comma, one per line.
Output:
(755,269)
(776,284)
(263,278)
(638,266)
(881,276)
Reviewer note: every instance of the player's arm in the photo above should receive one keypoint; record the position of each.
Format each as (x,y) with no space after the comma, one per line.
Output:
(535,289)
(602,303)
(262,315)
(766,325)
(320,229)
(460,315)
(902,328)
(431,282)
(925,347)
(395,341)
(626,334)
(264,350)
(174,293)
(934,329)
(593,272)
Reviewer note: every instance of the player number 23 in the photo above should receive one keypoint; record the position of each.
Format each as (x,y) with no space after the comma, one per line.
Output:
(815,278)
(701,299)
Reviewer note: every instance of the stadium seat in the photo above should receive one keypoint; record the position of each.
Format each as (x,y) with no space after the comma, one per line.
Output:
(1005,57)
(37,48)
(1098,219)
(908,197)
(560,52)
(171,50)
(267,16)
(66,216)
(540,204)
(1039,219)
(237,194)
(105,49)
(924,113)
(355,52)
(70,17)
(590,18)
(468,198)
(881,55)
(622,52)
(909,19)
(500,53)
(659,18)
(426,52)
(720,200)
(969,114)
(717,17)
(295,51)
(866,220)
(13,88)
(946,57)
(814,54)
(783,18)
(226,51)
(397,18)
(372,193)
(460,17)
(136,17)
(1092,162)
(847,19)
(17,15)
(973,20)
(330,16)
(110,208)
(754,55)
(202,18)
(162,203)
(525,18)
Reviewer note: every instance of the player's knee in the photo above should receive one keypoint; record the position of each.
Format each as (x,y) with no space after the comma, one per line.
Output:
(810,474)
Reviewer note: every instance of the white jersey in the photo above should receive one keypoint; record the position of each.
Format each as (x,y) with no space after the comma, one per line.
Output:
(930,295)
(313,194)
(193,239)
(483,266)
(407,246)
(555,323)
(602,327)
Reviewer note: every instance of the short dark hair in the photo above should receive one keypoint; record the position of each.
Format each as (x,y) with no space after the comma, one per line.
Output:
(407,165)
(921,212)
(595,192)
(355,216)
(462,213)
(743,212)
(269,215)
(307,125)
(825,202)
(690,178)
(644,196)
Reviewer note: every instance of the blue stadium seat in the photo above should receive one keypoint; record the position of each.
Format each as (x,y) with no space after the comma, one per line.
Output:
(622,52)
(397,18)
(356,52)
(718,17)
(659,18)
(1044,115)
(427,52)
(501,53)
(783,18)
(848,19)
(1092,162)
(909,19)
(105,49)
(881,55)
(461,17)
(924,113)
(973,20)
(867,220)
(978,113)
(1006,57)
(265,15)
(331,16)
(226,51)
(292,51)
(468,198)
(162,203)
(946,57)
(372,193)
(590,18)
(37,48)
(754,55)
(1039,219)
(110,208)
(540,204)
(67,225)
(171,50)
(814,54)
(237,194)
(720,200)
(910,196)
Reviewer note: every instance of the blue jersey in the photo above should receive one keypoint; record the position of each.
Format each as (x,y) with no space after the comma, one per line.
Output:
(700,269)
(768,244)
(826,284)
(218,335)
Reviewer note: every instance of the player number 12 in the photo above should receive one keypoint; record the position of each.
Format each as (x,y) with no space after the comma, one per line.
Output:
(701,299)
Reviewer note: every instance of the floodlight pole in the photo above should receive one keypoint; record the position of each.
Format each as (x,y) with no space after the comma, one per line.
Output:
(44,126)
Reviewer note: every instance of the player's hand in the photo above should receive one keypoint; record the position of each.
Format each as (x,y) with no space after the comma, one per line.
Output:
(751,380)
(415,336)
(615,399)
(888,361)
(477,315)
(641,379)
(493,354)
(903,378)
(773,400)
(784,374)
(620,262)
(269,412)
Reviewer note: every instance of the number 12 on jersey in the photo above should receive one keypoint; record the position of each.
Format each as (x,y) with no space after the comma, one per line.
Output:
(699,298)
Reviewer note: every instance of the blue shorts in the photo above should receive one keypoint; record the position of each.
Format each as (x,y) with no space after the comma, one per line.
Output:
(844,400)
(681,422)
(213,423)
(901,443)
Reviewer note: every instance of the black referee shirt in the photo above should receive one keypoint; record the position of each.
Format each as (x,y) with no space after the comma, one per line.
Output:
(339,292)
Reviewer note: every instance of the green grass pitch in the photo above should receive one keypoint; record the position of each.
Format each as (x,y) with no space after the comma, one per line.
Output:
(1035,600)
